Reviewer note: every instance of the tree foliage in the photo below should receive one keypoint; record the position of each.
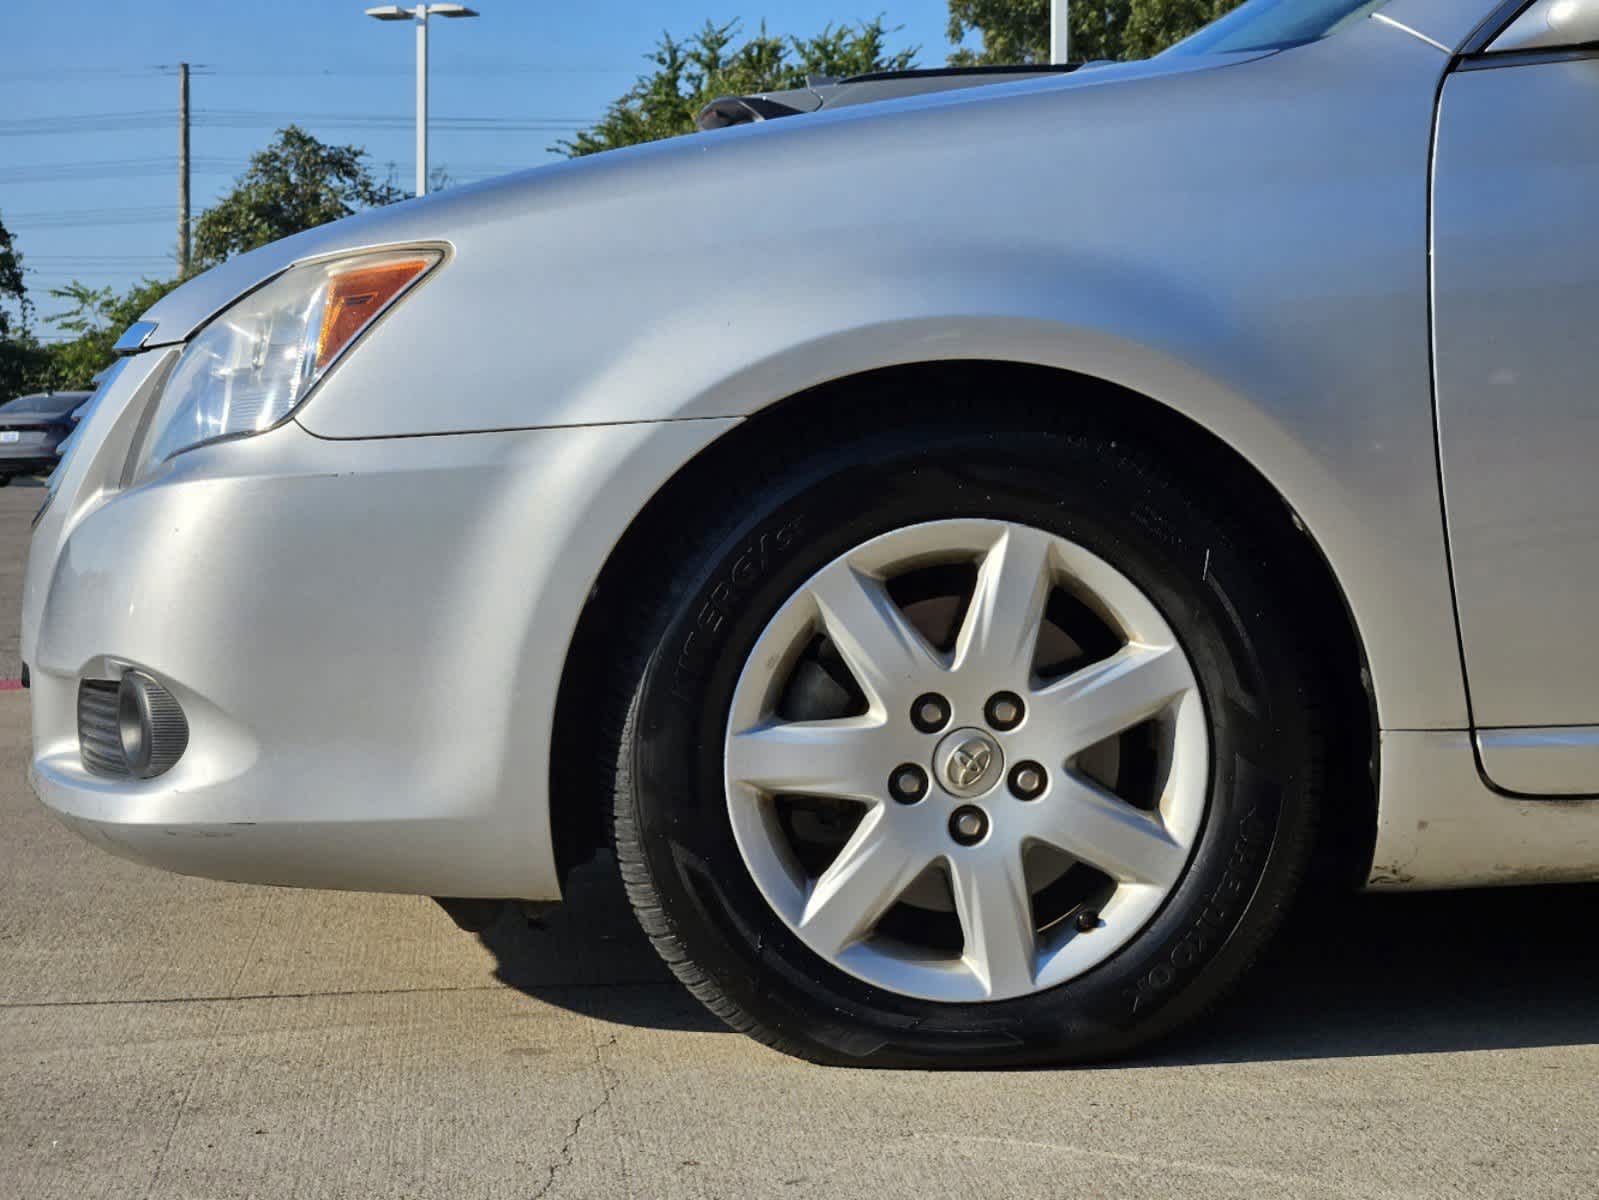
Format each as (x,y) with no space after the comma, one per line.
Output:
(12,289)
(1017,31)
(1013,31)
(296,183)
(1152,25)
(22,358)
(97,317)
(714,62)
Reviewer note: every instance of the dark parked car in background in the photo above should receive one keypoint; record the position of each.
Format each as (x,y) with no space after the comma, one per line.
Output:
(31,429)
(825,92)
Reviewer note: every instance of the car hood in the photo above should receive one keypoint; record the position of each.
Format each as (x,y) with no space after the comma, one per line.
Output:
(439,217)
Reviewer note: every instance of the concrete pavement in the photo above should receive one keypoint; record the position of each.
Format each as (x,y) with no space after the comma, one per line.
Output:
(169,1037)
(18,503)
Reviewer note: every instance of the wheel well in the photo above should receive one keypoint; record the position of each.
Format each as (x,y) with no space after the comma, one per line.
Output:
(591,702)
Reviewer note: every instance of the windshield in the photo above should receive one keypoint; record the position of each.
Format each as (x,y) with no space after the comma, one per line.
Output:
(1276,25)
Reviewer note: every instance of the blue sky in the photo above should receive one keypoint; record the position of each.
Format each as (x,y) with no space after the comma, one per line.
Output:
(95,199)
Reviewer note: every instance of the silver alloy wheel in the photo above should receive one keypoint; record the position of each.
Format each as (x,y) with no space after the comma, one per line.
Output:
(1140,852)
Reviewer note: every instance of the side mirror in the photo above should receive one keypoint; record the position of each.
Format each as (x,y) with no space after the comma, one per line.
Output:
(1551,25)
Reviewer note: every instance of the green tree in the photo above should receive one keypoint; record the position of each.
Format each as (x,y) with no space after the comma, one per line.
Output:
(689,74)
(1017,31)
(12,288)
(23,361)
(296,183)
(97,316)
(1152,25)
(1013,31)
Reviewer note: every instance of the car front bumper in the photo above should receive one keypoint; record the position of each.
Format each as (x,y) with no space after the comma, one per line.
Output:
(366,637)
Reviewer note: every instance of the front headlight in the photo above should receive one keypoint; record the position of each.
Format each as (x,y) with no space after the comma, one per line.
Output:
(254,363)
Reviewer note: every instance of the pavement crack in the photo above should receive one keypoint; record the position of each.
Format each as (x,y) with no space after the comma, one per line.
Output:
(228,999)
(608,1082)
(334,994)
(568,1149)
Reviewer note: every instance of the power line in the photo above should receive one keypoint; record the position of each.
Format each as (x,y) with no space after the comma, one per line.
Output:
(72,217)
(120,168)
(456,67)
(113,168)
(71,273)
(242,118)
(112,122)
(89,260)
(121,122)
(467,67)
(185,174)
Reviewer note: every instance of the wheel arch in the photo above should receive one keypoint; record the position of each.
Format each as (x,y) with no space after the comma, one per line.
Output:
(968,390)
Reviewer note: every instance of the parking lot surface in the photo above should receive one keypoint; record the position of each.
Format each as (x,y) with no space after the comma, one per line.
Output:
(170,1037)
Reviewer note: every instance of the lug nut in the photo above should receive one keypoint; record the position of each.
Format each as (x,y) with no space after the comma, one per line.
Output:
(1027,780)
(908,783)
(1087,920)
(930,712)
(1004,711)
(968,825)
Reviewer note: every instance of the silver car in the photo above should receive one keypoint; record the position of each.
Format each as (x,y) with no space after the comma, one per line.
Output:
(972,555)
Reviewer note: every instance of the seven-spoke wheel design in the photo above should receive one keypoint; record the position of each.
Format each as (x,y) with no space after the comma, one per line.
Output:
(967,760)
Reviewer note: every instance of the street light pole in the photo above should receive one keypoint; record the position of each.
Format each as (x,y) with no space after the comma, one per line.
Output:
(419,14)
(421,11)
(1060,34)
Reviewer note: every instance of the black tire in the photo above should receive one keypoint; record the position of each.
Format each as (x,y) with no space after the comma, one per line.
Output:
(683,870)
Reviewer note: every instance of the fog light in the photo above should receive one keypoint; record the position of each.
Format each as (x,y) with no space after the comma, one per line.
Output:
(133,728)
(154,730)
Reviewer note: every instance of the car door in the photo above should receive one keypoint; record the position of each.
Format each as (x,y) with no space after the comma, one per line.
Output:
(1516,311)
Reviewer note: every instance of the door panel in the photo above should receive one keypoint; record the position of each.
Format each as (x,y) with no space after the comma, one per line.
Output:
(1516,309)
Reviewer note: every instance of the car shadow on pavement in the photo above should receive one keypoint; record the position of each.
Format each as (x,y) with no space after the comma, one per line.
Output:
(1348,976)
(589,954)
(1360,975)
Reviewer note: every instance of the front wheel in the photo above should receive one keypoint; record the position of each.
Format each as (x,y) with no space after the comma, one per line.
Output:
(969,749)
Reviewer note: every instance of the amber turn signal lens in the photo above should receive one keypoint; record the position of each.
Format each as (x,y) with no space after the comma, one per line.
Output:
(357,295)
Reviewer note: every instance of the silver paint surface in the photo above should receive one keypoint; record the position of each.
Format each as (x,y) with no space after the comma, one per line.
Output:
(368,608)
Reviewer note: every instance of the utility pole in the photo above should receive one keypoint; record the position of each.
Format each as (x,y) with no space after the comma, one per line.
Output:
(419,14)
(183,170)
(1060,34)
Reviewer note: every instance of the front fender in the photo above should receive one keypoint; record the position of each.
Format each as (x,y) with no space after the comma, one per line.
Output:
(1247,245)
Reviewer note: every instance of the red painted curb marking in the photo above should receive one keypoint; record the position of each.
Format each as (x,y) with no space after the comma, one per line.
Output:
(10,685)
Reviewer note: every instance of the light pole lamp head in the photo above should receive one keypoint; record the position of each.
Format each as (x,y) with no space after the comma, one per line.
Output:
(399,12)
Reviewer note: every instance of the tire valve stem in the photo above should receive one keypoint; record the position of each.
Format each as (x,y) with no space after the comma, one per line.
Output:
(1088,920)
